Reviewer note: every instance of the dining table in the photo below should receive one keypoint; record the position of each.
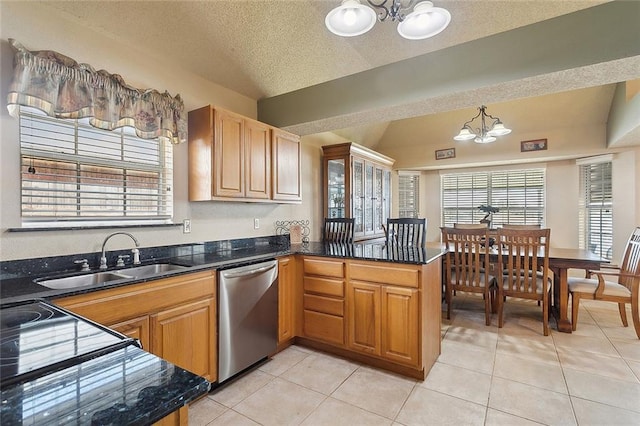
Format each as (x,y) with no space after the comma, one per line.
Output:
(560,261)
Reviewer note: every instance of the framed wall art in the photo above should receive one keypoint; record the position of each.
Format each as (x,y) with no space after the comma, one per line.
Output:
(443,154)
(533,145)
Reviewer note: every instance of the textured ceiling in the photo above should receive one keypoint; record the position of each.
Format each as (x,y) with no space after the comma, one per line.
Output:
(264,48)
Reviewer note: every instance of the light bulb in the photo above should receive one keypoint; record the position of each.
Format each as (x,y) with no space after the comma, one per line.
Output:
(349,17)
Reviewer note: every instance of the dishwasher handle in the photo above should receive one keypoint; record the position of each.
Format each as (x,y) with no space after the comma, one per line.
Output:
(248,273)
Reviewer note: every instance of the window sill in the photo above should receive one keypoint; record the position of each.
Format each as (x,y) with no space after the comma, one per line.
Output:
(81,227)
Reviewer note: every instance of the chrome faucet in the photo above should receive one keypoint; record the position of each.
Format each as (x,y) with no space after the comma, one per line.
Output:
(135,251)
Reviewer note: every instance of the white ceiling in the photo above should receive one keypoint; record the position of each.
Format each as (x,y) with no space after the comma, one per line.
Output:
(264,48)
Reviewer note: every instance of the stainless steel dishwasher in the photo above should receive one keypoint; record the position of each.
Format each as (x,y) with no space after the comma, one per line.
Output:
(248,316)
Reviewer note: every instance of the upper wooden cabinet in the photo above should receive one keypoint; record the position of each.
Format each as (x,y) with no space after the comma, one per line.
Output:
(232,157)
(357,183)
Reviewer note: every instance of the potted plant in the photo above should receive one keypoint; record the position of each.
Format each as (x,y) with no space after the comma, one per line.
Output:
(489,211)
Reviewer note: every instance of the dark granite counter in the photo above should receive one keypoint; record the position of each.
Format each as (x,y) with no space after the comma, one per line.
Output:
(18,279)
(128,386)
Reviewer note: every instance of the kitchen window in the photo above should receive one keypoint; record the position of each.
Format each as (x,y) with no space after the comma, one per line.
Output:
(76,174)
(519,194)
(409,195)
(596,212)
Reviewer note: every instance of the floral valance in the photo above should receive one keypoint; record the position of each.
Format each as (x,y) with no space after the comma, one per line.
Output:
(59,86)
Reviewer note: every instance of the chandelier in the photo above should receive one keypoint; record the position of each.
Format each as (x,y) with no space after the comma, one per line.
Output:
(483,134)
(353,18)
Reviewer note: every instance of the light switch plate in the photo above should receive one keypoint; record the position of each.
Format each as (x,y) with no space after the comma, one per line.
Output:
(186,226)
(256,223)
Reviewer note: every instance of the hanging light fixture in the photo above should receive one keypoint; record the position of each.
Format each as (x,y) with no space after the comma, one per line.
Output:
(353,18)
(483,134)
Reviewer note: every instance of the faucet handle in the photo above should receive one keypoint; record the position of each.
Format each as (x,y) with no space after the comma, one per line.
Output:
(84,264)
(136,256)
(121,258)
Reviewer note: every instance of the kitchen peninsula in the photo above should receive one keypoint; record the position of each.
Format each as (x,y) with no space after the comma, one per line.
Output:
(373,303)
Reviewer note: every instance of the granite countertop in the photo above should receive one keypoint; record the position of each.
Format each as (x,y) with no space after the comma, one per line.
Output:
(18,279)
(128,386)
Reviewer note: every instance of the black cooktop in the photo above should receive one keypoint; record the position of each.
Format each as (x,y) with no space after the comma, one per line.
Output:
(38,338)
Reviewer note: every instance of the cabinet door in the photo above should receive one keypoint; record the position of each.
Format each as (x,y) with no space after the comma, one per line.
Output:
(363,301)
(228,154)
(368,198)
(400,340)
(186,336)
(136,328)
(286,171)
(357,197)
(378,200)
(257,160)
(286,305)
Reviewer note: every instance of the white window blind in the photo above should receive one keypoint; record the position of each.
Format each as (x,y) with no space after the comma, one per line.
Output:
(73,172)
(519,194)
(596,204)
(408,195)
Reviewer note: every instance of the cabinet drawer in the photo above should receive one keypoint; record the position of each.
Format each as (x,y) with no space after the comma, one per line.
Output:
(324,304)
(387,274)
(329,328)
(324,286)
(327,268)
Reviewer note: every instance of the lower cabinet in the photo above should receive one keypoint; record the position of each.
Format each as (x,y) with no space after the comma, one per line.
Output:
(383,321)
(184,336)
(174,318)
(323,300)
(137,328)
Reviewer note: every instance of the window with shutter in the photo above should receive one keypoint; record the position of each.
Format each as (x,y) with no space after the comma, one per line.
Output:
(519,194)
(408,195)
(75,173)
(596,203)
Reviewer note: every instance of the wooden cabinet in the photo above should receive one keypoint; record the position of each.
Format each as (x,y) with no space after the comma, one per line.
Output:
(364,319)
(184,336)
(136,328)
(286,299)
(323,300)
(286,160)
(232,157)
(384,320)
(174,318)
(357,183)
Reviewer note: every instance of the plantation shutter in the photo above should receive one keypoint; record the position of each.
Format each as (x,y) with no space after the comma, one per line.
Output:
(408,195)
(597,202)
(519,194)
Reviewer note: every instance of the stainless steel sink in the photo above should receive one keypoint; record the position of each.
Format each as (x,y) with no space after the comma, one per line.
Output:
(82,280)
(103,277)
(149,270)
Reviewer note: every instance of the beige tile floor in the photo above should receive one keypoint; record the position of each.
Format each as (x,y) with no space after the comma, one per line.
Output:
(485,375)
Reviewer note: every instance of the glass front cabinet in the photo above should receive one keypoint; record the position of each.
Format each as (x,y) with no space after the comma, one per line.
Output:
(357,183)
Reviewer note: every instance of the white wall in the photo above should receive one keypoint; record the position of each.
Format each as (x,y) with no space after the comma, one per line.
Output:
(38,27)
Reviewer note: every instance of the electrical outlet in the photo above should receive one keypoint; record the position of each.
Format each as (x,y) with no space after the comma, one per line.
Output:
(256,223)
(186,226)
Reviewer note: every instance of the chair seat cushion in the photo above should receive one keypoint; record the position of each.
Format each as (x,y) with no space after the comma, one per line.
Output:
(587,285)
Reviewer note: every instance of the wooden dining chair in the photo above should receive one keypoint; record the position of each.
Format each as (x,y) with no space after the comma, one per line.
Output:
(523,261)
(466,265)
(406,231)
(623,290)
(338,230)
